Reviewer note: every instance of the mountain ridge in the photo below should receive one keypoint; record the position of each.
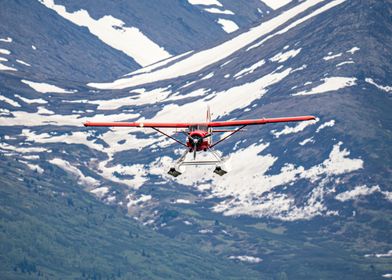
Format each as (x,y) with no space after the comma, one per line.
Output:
(310,200)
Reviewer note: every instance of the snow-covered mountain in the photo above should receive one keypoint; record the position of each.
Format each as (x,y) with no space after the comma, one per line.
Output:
(69,62)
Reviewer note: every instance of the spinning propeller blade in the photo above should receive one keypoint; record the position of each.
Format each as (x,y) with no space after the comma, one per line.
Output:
(194,151)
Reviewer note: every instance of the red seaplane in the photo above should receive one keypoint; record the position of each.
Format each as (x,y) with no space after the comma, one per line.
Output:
(199,136)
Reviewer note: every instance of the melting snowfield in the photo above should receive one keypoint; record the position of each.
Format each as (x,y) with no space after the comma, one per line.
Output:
(46,88)
(252,187)
(257,196)
(276,4)
(201,60)
(331,84)
(112,32)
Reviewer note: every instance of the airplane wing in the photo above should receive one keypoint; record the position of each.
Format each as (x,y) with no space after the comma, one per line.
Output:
(152,125)
(260,121)
(209,124)
(240,123)
(138,124)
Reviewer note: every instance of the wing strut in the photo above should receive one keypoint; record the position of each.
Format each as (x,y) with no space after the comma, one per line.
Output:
(167,135)
(231,134)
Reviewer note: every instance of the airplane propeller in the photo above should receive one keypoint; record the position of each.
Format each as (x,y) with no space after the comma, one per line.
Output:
(196,141)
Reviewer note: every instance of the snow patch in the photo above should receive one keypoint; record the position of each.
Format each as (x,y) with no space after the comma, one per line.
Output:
(141,97)
(177,96)
(5,112)
(353,50)
(329,84)
(158,64)
(46,88)
(31,157)
(44,111)
(289,130)
(74,138)
(134,202)
(100,192)
(31,101)
(35,167)
(219,11)
(7,68)
(9,101)
(306,141)
(23,63)
(331,56)
(326,124)
(205,231)
(4,51)
(223,102)
(344,63)
(337,163)
(35,119)
(387,195)
(205,2)
(137,173)
(200,60)
(257,197)
(112,32)
(249,70)
(387,89)
(6,40)
(111,199)
(248,259)
(183,201)
(208,76)
(282,57)
(250,200)
(228,26)
(22,150)
(299,21)
(66,166)
(357,192)
(385,255)
(275,4)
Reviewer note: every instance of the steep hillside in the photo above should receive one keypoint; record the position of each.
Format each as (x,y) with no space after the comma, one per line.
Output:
(54,48)
(57,231)
(177,26)
(308,200)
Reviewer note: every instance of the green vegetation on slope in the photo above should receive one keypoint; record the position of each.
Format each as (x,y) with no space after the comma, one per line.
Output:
(58,231)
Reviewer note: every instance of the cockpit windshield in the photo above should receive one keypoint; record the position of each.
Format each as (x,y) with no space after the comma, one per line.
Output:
(198,127)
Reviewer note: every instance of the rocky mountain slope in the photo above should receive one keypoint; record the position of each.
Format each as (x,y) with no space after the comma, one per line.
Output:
(300,200)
